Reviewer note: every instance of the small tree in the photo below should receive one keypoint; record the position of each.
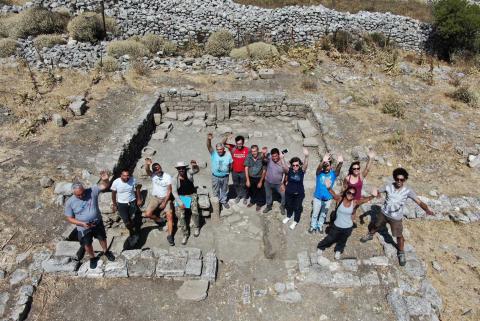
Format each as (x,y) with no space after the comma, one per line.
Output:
(457,26)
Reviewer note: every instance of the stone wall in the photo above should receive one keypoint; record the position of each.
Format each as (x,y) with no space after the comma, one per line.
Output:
(188,20)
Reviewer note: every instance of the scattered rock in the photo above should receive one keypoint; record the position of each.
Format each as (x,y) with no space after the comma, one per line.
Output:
(78,106)
(436,266)
(193,290)
(310,142)
(290,297)
(18,276)
(172,115)
(266,73)
(58,120)
(63,188)
(46,182)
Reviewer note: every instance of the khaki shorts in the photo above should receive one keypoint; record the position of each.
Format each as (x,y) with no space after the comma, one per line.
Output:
(155,202)
(395,225)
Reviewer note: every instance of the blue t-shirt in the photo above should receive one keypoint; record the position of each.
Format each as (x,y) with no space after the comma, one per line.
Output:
(295,182)
(321,191)
(85,210)
(221,164)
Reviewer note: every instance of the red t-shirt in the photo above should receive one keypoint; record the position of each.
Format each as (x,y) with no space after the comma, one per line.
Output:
(238,158)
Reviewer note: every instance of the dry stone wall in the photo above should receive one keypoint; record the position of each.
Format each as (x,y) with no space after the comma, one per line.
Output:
(188,20)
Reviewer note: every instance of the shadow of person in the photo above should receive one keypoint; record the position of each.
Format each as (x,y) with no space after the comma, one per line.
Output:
(373,213)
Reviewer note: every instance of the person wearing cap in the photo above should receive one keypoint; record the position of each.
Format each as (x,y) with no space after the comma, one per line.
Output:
(221,163)
(126,199)
(82,210)
(322,197)
(184,191)
(161,197)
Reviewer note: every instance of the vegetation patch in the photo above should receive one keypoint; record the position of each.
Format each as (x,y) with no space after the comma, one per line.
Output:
(129,47)
(48,41)
(7,47)
(465,95)
(394,108)
(256,50)
(107,64)
(155,43)
(220,43)
(33,22)
(88,27)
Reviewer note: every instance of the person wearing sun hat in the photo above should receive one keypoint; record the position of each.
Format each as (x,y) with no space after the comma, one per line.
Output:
(184,191)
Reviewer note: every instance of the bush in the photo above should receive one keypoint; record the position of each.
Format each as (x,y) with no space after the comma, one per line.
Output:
(220,43)
(464,95)
(256,50)
(456,25)
(129,47)
(36,21)
(48,41)
(7,47)
(140,68)
(88,26)
(379,39)
(107,64)
(394,108)
(341,40)
(155,43)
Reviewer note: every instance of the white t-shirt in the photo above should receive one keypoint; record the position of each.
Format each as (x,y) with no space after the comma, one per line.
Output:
(395,200)
(160,184)
(125,191)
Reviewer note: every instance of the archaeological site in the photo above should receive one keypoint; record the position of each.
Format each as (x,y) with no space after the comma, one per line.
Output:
(240,160)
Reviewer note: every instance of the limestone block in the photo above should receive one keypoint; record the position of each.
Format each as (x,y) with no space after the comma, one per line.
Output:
(370,279)
(193,290)
(86,271)
(418,306)
(157,118)
(171,266)
(193,267)
(168,125)
(189,252)
(185,116)
(266,73)
(78,107)
(306,128)
(63,188)
(310,142)
(203,202)
(199,123)
(172,115)
(201,115)
(105,202)
(60,265)
(66,248)
(303,261)
(160,135)
(141,267)
(116,269)
(58,120)
(209,270)
(399,306)
(18,276)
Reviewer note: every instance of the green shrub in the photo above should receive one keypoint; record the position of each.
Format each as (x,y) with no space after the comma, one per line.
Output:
(129,47)
(88,26)
(220,43)
(48,41)
(169,48)
(107,64)
(36,21)
(140,68)
(4,26)
(394,108)
(7,47)
(379,39)
(464,95)
(256,50)
(155,43)
(341,40)
(456,25)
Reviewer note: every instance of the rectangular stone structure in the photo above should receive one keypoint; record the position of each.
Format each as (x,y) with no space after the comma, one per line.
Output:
(171,266)
(116,269)
(66,248)
(193,267)
(60,265)
(189,252)
(209,270)
(141,267)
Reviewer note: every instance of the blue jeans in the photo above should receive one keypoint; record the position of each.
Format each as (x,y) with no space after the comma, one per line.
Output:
(269,188)
(220,188)
(319,213)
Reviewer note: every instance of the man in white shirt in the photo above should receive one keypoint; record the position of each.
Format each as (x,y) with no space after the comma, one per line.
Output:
(126,199)
(161,196)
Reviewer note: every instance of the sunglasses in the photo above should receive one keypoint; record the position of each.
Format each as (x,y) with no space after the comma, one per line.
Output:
(399,179)
(350,193)
(296,165)
(356,168)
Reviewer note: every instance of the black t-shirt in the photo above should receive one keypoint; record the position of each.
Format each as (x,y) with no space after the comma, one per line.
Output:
(295,182)
(186,187)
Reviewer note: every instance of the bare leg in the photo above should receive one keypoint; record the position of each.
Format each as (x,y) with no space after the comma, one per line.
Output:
(149,214)
(103,244)
(170,222)
(400,243)
(89,250)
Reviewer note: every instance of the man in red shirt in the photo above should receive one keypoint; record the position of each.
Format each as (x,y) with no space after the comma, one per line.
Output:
(239,153)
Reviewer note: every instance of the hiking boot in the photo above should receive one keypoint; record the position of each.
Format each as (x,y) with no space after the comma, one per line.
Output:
(184,239)
(338,255)
(109,255)
(401,258)
(93,262)
(250,204)
(245,201)
(258,208)
(170,240)
(282,209)
(237,200)
(267,209)
(320,230)
(311,230)
(226,205)
(196,232)
(132,240)
(366,238)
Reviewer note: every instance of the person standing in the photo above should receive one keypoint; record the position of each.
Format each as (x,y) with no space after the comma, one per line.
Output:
(396,195)
(82,210)
(161,197)
(355,176)
(186,199)
(321,197)
(344,217)
(127,199)
(221,163)
(255,176)
(239,153)
(294,190)
(276,169)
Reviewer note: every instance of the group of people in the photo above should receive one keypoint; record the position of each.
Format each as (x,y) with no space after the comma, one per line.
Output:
(257,175)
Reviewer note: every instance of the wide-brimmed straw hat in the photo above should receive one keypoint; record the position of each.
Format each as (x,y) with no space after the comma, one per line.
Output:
(181,164)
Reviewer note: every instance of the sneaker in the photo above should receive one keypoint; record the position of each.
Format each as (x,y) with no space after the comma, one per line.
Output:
(338,255)
(292,226)
(285,220)
(267,209)
(109,255)
(401,258)
(366,238)
(250,204)
(196,232)
(311,230)
(319,252)
(170,240)
(132,240)
(226,205)
(93,262)
(184,239)
(320,230)
(282,209)
(237,200)
(258,208)
(245,201)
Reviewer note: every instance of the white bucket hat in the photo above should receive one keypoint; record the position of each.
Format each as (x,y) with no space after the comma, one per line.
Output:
(181,164)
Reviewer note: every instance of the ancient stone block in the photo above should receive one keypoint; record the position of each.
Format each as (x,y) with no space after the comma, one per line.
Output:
(193,290)
(172,115)
(209,270)
(306,128)
(86,271)
(60,265)
(141,267)
(116,269)
(303,261)
(66,248)
(78,107)
(193,267)
(171,266)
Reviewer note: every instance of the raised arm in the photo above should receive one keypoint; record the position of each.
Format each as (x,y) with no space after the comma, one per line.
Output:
(148,163)
(104,183)
(371,155)
(326,158)
(364,200)
(138,193)
(283,163)
(305,159)
(328,185)
(339,166)
(194,169)
(209,142)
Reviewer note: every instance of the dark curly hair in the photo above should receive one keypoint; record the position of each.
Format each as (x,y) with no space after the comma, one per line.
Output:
(400,171)
(296,159)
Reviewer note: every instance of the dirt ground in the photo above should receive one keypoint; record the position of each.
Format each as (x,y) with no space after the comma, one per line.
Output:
(425,141)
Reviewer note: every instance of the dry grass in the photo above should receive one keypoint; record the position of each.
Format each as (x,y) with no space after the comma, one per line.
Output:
(410,8)
(129,47)
(220,43)
(465,95)
(48,41)
(33,22)
(7,47)
(256,51)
